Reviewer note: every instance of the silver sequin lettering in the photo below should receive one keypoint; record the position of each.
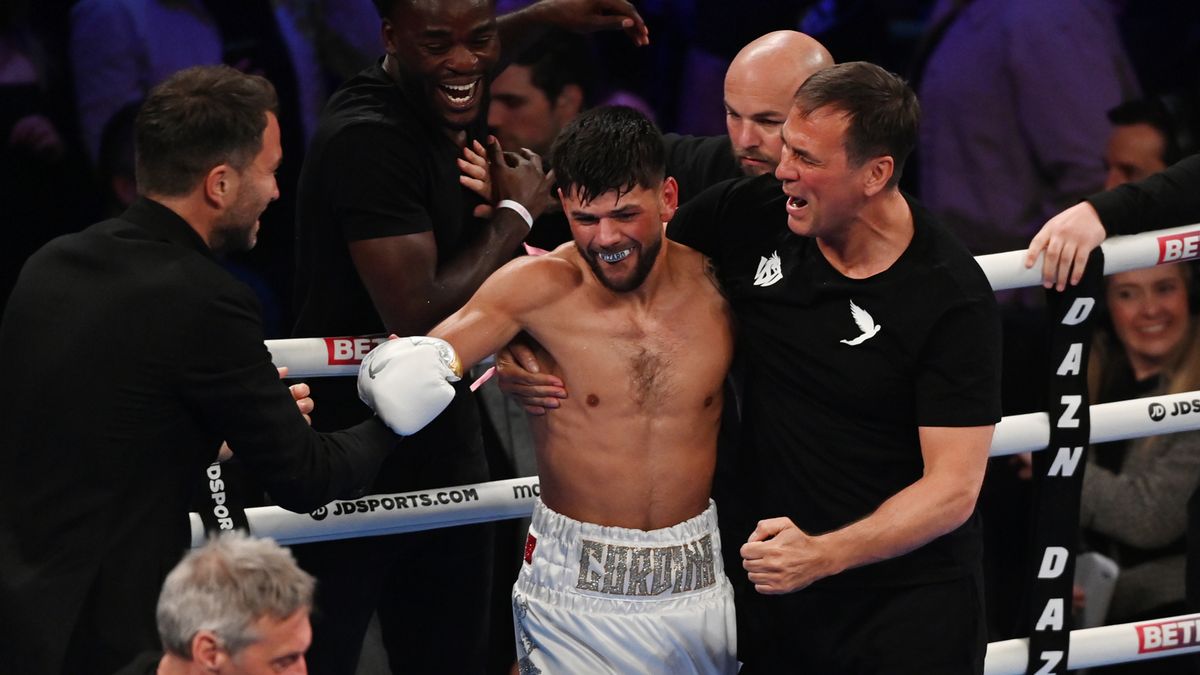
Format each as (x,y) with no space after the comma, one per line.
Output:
(616,569)
(588,579)
(616,564)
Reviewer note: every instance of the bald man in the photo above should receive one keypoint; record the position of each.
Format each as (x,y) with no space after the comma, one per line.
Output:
(759,86)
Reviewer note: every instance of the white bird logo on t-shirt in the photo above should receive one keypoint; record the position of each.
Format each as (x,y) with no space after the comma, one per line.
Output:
(864,322)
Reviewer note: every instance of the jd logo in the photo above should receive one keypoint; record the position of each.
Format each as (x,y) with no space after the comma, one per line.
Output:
(320,513)
(1157,412)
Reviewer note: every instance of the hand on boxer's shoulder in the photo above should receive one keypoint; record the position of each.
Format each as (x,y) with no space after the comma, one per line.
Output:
(406,381)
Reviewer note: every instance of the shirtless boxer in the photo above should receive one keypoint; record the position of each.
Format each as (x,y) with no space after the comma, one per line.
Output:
(622,565)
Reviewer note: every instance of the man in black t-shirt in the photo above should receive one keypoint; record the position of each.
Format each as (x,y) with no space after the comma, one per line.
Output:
(869,342)
(387,242)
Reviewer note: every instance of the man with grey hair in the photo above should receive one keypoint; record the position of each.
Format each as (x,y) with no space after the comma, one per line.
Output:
(236,605)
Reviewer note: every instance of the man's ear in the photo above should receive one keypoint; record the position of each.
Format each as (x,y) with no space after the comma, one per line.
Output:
(388,32)
(879,171)
(569,103)
(669,200)
(219,185)
(207,652)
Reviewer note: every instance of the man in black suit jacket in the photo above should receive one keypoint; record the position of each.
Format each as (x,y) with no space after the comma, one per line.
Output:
(128,356)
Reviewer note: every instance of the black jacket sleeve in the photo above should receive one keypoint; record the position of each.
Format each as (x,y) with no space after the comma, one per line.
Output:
(1170,198)
(229,380)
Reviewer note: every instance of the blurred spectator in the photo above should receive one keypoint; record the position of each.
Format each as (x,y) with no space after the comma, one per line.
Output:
(545,87)
(1148,136)
(43,177)
(1013,98)
(122,48)
(1135,492)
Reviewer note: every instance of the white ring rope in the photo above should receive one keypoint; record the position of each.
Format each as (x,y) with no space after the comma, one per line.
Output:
(1114,421)
(1121,254)
(391,513)
(500,500)
(332,356)
(1119,643)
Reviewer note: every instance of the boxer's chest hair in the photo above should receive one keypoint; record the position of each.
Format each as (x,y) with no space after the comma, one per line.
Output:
(649,360)
(648,376)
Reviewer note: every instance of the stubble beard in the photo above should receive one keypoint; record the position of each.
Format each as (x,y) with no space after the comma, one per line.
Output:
(646,257)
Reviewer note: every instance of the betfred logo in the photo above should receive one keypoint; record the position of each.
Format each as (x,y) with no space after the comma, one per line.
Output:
(349,351)
(1176,247)
(1165,635)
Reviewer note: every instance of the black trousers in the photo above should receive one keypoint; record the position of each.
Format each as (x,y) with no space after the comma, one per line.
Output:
(432,590)
(929,629)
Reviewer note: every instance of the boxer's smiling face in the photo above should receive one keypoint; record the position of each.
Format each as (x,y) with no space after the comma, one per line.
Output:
(619,234)
(448,50)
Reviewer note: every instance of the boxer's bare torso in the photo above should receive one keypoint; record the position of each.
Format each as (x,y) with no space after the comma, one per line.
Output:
(635,443)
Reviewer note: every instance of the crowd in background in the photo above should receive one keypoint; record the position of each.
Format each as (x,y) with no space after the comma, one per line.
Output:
(1036,80)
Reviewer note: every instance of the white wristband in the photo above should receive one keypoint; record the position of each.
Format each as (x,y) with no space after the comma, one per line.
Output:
(519,208)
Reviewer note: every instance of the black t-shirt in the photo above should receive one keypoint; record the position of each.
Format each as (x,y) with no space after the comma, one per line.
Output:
(830,418)
(380,165)
(699,162)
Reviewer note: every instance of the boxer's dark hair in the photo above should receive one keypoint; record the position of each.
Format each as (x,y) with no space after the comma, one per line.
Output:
(608,148)
(882,110)
(197,119)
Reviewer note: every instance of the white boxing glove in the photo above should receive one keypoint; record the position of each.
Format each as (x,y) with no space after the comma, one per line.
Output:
(406,381)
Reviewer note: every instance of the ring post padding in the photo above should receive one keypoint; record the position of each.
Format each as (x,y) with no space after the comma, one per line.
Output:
(1119,643)
(391,513)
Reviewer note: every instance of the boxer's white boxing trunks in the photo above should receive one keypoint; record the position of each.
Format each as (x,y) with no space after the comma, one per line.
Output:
(595,599)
